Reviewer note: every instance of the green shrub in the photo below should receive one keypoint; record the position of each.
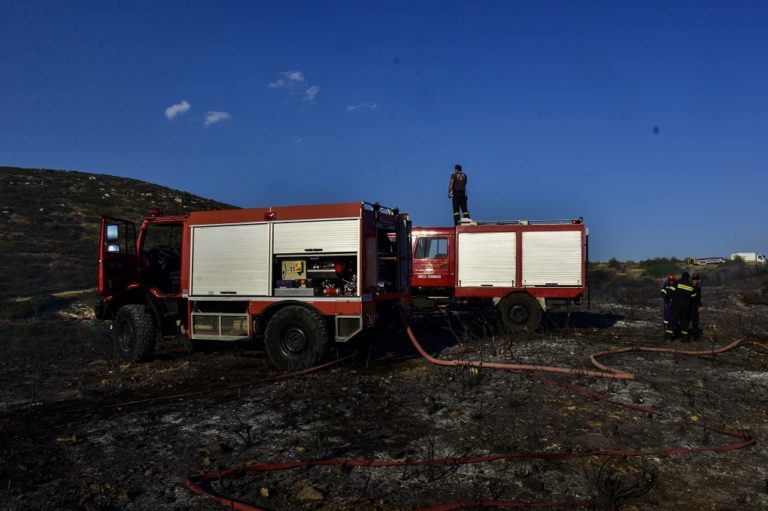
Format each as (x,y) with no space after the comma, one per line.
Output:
(660,267)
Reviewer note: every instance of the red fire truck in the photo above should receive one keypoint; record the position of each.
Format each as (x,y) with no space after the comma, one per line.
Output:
(298,276)
(522,267)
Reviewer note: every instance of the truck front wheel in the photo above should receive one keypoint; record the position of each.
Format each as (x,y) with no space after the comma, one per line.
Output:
(296,338)
(134,333)
(521,314)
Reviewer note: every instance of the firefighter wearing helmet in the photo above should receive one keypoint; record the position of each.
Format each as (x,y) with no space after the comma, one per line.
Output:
(666,295)
(683,295)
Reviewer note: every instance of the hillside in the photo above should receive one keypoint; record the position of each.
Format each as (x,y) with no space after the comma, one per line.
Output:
(49,224)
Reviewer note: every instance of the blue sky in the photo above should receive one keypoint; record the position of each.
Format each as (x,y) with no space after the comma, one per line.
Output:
(649,119)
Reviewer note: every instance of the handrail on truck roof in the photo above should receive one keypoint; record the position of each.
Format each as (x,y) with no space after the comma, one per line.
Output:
(558,221)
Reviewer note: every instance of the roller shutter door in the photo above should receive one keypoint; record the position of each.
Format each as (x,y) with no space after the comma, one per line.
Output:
(230,260)
(317,236)
(552,258)
(486,259)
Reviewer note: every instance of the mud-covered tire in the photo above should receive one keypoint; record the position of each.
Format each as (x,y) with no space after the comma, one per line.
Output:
(296,338)
(520,314)
(134,333)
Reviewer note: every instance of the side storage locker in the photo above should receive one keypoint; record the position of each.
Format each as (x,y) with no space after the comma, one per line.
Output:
(552,258)
(317,237)
(486,259)
(230,260)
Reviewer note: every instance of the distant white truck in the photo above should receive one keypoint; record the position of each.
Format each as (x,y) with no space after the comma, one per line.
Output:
(705,260)
(749,257)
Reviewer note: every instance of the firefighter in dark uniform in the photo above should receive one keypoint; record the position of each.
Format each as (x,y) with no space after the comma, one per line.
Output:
(457,191)
(695,306)
(683,294)
(666,295)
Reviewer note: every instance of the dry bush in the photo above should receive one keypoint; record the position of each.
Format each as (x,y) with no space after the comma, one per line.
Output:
(618,480)
(632,295)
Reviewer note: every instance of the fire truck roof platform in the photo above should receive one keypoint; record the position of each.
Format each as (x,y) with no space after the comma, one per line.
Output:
(558,221)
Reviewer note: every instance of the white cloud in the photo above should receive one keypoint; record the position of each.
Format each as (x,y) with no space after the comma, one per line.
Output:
(361,106)
(215,117)
(294,82)
(180,108)
(287,79)
(310,93)
(296,76)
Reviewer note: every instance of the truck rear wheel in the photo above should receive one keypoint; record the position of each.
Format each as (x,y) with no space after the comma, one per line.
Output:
(521,314)
(296,338)
(134,333)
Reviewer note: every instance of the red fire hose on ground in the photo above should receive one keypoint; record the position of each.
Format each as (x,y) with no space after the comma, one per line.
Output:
(198,483)
(603,373)
(687,353)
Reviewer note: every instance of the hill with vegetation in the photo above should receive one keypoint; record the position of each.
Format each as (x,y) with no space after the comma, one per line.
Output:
(49,224)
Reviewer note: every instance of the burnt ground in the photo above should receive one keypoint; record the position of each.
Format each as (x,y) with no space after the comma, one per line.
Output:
(80,431)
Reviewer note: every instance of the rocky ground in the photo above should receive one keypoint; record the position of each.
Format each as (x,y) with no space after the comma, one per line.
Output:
(80,431)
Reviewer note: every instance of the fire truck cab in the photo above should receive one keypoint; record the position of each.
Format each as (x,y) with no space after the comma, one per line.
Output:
(297,276)
(521,267)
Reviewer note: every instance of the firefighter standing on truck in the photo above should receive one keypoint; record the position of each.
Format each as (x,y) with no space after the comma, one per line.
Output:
(683,295)
(457,192)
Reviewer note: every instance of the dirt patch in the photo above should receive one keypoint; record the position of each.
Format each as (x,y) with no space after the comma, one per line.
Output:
(79,431)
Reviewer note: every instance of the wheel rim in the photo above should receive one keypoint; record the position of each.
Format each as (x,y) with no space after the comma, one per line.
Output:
(125,335)
(518,315)
(293,340)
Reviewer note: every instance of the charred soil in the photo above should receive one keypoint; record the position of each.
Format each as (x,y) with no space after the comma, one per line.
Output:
(80,431)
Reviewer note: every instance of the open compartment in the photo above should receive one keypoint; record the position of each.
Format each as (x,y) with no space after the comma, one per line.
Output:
(326,275)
